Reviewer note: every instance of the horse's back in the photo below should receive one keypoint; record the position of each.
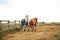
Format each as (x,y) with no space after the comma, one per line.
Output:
(24,22)
(32,20)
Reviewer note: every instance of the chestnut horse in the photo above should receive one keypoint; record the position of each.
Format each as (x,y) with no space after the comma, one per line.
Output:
(32,23)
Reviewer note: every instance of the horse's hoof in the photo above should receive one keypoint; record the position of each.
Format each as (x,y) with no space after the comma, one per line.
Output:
(24,30)
(34,29)
(28,30)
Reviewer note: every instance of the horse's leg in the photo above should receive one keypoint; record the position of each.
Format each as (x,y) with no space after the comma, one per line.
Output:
(35,28)
(35,25)
(32,28)
(28,28)
(24,27)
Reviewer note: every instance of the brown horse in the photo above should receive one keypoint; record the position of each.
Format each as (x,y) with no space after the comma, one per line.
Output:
(32,23)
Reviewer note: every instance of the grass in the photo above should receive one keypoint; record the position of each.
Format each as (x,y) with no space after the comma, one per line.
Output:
(8,31)
(42,39)
(47,30)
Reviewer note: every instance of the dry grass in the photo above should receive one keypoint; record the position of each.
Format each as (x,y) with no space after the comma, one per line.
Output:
(43,32)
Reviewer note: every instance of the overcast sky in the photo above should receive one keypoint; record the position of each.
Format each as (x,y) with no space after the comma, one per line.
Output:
(44,10)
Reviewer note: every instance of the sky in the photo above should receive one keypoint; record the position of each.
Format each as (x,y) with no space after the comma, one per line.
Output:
(44,10)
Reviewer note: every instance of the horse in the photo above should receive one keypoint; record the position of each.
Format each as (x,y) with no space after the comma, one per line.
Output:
(24,23)
(32,23)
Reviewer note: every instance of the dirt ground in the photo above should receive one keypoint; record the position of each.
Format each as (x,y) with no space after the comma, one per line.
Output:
(43,32)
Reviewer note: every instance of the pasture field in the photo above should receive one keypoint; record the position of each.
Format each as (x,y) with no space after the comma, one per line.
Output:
(43,32)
